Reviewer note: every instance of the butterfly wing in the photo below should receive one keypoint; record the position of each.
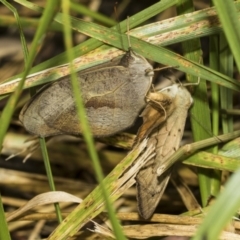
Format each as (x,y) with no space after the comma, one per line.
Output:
(111,105)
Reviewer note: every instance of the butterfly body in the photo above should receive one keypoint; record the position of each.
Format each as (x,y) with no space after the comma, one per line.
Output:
(113,95)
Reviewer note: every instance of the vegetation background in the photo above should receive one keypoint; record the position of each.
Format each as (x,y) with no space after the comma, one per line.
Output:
(30,37)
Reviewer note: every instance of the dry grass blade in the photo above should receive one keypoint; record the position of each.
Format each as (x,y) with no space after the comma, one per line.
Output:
(153,230)
(42,199)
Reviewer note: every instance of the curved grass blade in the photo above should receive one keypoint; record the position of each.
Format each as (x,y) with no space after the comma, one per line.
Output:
(85,125)
(4,233)
(207,230)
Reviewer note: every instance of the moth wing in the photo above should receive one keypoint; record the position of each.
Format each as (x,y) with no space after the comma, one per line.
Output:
(110,95)
(150,189)
(105,103)
(35,120)
(112,102)
(174,125)
(31,118)
(107,97)
(159,108)
(150,185)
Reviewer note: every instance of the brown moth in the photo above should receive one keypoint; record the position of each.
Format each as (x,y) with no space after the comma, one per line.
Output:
(160,106)
(113,95)
(167,137)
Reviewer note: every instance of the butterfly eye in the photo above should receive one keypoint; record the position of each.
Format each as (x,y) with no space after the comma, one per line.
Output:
(149,72)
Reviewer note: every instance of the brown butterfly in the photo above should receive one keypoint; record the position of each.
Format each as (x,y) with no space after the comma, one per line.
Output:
(113,95)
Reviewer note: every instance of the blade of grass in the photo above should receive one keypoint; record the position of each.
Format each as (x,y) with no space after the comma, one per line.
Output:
(4,233)
(226,95)
(92,44)
(10,106)
(94,203)
(49,175)
(152,52)
(85,125)
(26,22)
(189,149)
(47,166)
(202,128)
(80,8)
(214,64)
(207,229)
(206,21)
(213,161)
(228,157)
(228,16)
(227,13)
(55,76)
(226,67)
(19,25)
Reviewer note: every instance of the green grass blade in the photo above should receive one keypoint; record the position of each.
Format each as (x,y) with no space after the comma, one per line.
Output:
(4,233)
(226,67)
(19,25)
(26,22)
(92,44)
(225,61)
(214,64)
(49,175)
(207,74)
(85,125)
(150,51)
(201,128)
(213,161)
(231,26)
(10,106)
(228,157)
(226,205)
(80,8)
(189,149)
